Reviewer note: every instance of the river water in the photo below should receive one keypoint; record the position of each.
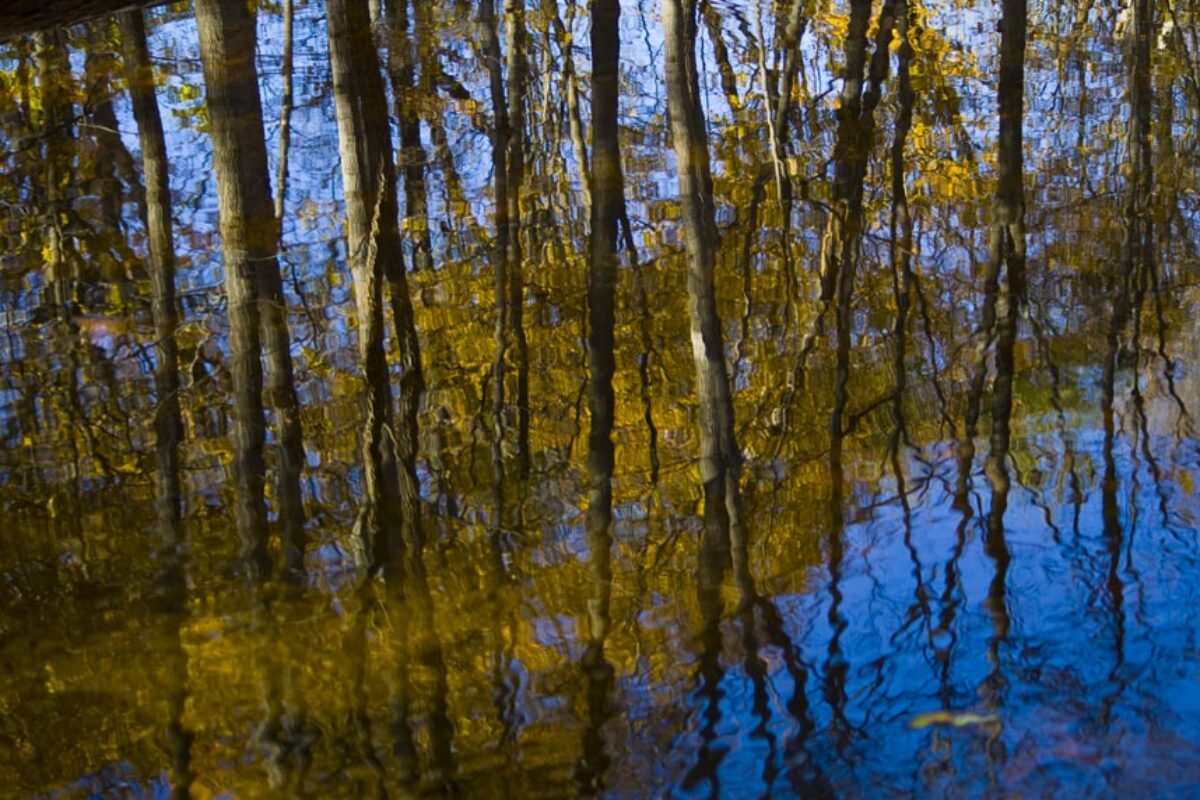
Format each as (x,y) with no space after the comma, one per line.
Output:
(866,468)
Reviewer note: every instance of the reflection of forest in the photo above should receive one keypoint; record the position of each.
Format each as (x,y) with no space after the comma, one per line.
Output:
(584,398)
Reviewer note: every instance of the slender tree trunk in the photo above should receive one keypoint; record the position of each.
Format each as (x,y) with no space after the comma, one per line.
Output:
(285,113)
(842,245)
(1138,230)
(901,234)
(792,31)
(1126,286)
(168,425)
(719,458)
(607,210)
(490,45)
(903,280)
(647,351)
(514,16)
(1004,280)
(840,251)
(412,383)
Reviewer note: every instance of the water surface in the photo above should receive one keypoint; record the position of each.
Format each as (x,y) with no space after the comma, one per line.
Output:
(864,466)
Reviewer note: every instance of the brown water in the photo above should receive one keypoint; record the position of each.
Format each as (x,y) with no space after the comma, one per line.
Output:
(832,446)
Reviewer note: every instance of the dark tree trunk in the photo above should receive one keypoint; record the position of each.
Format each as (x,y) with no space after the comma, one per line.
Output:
(490,46)
(1007,252)
(514,26)
(168,425)
(607,209)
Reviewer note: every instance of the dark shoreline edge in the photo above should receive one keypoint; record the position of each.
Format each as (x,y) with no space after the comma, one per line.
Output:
(20,17)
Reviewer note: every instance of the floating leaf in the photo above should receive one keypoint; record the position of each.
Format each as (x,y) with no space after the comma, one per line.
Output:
(955,719)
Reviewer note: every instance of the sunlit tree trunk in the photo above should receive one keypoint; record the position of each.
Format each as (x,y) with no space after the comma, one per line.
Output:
(719,456)
(723,533)
(790,33)
(368,182)
(218,49)
(285,113)
(249,236)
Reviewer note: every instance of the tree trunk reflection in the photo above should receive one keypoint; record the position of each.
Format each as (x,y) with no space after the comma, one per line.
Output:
(607,208)
(369,178)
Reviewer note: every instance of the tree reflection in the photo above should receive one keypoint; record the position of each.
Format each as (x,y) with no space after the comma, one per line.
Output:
(1007,293)
(168,425)
(607,209)
(368,173)
(257,314)
(662,223)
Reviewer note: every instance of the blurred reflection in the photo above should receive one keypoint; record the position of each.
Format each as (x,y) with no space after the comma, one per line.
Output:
(499,529)
(57,125)
(257,316)
(168,426)
(368,176)
(608,209)
(1007,251)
